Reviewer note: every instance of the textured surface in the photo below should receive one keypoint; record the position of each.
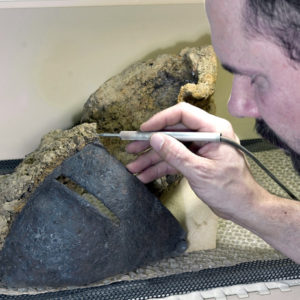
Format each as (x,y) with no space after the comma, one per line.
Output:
(283,271)
(55,146)
(234,243)
(204,66)
(62,239)
(128,99)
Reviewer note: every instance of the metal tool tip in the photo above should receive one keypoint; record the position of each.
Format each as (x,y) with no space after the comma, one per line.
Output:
(105,134)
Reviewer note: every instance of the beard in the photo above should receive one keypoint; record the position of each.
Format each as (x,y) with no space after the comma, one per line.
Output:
(267,133)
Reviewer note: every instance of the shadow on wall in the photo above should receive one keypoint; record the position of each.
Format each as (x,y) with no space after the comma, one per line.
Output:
(175,49)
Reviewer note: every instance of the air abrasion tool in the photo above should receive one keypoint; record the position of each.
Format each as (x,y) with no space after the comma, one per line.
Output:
(182,136)
(192,136)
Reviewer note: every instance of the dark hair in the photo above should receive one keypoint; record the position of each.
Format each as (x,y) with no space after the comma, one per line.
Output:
(278,20)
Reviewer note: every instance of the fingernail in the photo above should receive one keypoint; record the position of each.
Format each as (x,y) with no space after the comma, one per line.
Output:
(157,142)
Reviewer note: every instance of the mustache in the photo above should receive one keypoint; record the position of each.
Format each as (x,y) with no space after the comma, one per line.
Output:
(267,133)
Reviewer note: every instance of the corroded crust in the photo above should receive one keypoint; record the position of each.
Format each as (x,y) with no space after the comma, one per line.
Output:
(55,147)
(203,63)
(122,103)
(63,238)
(128,99)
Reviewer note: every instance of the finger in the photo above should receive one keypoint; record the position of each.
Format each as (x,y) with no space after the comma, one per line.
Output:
(195,146)
(182,113)
(156,171)
(177,155)
(189,116)
(143,162)
(177,127)
(137,147)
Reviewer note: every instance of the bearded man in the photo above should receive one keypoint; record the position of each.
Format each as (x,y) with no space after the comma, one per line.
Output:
(259,43)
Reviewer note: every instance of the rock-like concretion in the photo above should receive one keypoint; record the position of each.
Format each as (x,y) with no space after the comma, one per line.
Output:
(121,103)
(90,219)
(54,148)
(128,99)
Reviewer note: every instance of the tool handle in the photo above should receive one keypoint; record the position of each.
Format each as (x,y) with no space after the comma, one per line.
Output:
(179,135)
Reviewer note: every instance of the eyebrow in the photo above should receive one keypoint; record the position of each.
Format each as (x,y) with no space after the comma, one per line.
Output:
(232,69)
(248,73)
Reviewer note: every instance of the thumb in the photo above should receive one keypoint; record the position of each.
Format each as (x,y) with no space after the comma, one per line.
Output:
(176,154)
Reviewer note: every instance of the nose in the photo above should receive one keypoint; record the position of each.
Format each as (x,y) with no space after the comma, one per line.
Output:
(242,99)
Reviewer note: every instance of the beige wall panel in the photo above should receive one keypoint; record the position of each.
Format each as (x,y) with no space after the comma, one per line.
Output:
(52,59)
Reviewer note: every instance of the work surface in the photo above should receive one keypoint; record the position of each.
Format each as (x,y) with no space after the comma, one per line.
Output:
(235,245)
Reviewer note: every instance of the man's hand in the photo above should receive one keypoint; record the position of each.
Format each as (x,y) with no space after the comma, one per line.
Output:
(217,173)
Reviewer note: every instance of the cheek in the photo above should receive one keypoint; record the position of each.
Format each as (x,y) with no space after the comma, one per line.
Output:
(279,110)
(277,104)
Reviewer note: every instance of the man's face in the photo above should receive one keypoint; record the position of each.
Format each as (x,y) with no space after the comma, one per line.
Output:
(265,131)
(266,83)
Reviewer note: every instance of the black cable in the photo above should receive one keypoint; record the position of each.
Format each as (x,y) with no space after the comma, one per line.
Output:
(252,156)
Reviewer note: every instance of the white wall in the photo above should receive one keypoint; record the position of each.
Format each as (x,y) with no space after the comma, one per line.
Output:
(52,59)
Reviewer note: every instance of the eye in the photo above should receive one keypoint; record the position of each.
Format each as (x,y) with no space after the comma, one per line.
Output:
(260,81)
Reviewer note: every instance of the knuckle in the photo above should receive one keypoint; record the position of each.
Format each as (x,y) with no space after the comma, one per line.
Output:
(226,128)
(183,105)
(225,125)
(205,171)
